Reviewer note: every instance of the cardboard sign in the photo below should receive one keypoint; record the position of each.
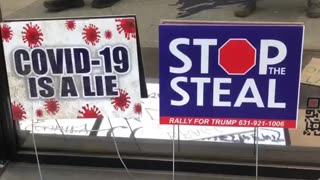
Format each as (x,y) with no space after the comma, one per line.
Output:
(308,130)
(230,74)
(75,68)
(311,73)
(147,127)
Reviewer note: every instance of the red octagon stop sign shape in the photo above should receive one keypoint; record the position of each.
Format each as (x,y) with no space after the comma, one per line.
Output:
(237,56)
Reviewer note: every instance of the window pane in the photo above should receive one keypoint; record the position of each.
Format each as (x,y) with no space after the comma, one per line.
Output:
(144,136)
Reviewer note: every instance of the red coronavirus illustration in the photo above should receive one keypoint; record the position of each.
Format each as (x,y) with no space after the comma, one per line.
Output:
(18,112)
(71,25)
(128,26)
(39,113)
(122,102)
(32,35)
(52,106)
(6,33)
(91,34)
(90,112)
(108,34)
(137,108)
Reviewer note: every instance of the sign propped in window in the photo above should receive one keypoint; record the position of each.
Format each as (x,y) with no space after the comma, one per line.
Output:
(230,74)
(73,68)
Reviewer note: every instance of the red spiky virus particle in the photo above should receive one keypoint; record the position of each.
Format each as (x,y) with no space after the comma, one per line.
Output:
(137,108)
(52,106)
(32,35)
(128,26)
(122,102)
(108,34)
(6,32)
(71,25)
(90,112)
(39,113)
(18,112)
(91,34)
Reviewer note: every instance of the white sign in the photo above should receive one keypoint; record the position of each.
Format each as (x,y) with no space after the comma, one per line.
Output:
(148,127)
(75,68)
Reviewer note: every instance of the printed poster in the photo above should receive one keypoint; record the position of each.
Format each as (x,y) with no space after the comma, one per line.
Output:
(72,68)
(230,74)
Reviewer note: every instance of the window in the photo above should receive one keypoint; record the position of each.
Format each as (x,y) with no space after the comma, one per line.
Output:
(144,137)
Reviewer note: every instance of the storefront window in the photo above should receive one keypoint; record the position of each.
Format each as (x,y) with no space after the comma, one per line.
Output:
(144,136)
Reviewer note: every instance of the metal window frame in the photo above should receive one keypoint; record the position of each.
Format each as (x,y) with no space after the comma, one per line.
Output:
(7,128)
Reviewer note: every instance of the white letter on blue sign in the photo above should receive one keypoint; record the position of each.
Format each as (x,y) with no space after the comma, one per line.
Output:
(185,96)
(265,61)
(180,55)
(200,81)
(249,84)
(272,96)
(205,44)
(217,92)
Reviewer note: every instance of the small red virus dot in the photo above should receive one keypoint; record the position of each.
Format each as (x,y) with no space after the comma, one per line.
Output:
(108,34)
(33,35)
(137,108)
(128,26)
(122,102)
(6,33)
(90,112)
(18,112)
(71,25)
(91,34)
(52,106)
(39,113)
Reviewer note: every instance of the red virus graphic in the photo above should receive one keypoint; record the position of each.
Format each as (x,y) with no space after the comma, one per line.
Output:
(32,34)
(128,26)
(122,102)
(39,113)
(71,25)
(18,112)
(108,34)
(90,112)
(91,34)
(137,108)
(52,106)
(6,33)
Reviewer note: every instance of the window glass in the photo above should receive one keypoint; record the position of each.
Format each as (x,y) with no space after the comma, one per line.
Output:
(144,136)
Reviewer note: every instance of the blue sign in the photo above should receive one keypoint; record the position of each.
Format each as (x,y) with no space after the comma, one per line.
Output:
(244,75)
